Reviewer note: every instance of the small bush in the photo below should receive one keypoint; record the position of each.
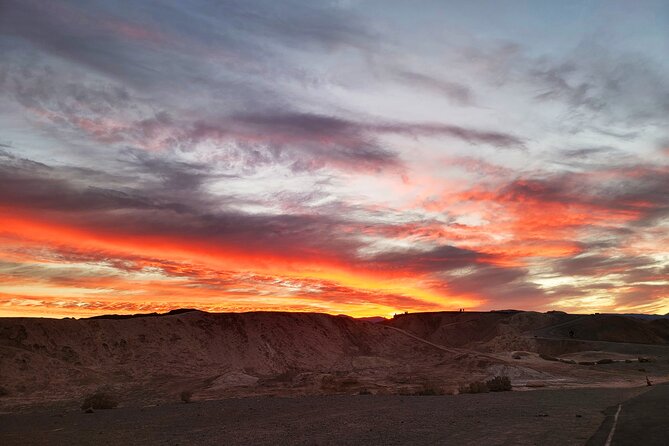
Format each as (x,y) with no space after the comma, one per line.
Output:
(364,392)
(474,387)
(642,359)
(519,355)
(499,384)
(605,361)
(186,396)
(3,391)
(99,400)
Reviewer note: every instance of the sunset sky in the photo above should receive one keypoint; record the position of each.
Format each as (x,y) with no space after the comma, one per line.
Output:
(344,156)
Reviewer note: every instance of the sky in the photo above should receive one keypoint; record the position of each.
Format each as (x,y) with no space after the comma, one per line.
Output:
(355,157)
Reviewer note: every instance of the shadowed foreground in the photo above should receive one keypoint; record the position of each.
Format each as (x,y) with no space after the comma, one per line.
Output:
(641,421)
(546,417)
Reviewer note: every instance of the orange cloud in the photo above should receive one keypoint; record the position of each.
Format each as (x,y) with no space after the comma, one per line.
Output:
(252,279)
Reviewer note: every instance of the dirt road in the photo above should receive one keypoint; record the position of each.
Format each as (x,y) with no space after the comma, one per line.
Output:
(640,421)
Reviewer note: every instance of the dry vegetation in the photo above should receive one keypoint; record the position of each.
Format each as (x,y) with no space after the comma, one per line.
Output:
(100,400)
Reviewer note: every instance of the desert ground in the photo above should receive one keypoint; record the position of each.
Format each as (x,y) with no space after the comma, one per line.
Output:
(542,417)
(304,378)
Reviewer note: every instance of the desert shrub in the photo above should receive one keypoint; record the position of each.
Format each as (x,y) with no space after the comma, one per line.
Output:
(186,396)
(605,361)
(429,390)
(3,391)
(478,387)
(474,387)
(99,400)
(519,355)
(548,357)
(586,363)
(642,359)
(364,392)
(499,384)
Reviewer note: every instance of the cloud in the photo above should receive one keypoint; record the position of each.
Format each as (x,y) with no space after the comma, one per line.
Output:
(173,34)
(625,88)
(598,87)
(594,265)
(109,114)
(456,92)
(438,259)
(52,207)
(349,142)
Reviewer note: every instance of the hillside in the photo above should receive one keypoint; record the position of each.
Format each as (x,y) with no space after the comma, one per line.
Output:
(474,330)
(612,328)
(509,330)
(152,358)
(216,354)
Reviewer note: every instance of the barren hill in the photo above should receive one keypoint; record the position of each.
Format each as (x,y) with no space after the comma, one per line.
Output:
(612,328)
(474,329)
(504,330)
(152,358)
(216,354)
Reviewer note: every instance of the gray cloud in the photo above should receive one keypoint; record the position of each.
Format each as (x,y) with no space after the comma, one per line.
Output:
(438,259)
(626,88)
(594,265)
(137,47)
(456,92)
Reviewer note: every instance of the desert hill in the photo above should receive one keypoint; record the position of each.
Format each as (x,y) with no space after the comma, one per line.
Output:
(612,328)
(218,354)
(486,330)
(475,330)
(152,358)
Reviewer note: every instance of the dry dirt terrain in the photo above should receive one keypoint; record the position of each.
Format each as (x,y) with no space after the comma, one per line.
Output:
(323,377)
(542,417)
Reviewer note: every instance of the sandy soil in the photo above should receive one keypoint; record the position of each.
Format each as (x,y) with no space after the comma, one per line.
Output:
(542,417)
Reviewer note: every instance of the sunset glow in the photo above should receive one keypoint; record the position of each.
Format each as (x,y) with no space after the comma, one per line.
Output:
(330,157)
